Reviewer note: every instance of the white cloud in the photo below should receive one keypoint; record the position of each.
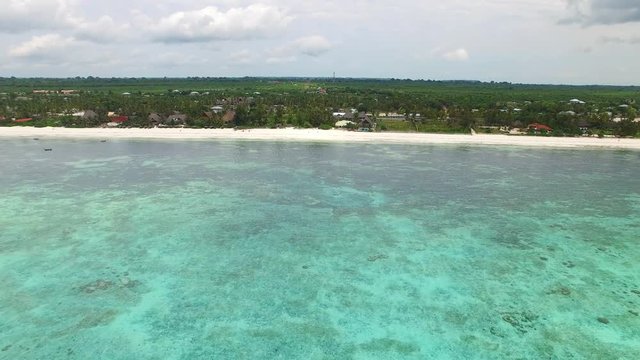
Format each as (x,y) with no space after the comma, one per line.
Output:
(241,57)
(460,54)
(312,45)
(178,59)
(281,59)
(630,40)
(279,55)
(105,29)
(45,46)
(603,12)
(26,15)
(210,24)
(147,38)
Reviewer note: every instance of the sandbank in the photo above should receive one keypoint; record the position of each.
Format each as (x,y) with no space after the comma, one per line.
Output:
(317,135)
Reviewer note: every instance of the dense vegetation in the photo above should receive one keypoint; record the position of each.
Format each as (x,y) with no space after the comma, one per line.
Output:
(432,106)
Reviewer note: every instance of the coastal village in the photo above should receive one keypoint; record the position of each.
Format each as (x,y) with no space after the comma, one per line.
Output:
(312,109)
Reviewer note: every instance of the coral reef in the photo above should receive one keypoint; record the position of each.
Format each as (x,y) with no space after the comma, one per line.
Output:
(93,286)
(377,257)
(523,321)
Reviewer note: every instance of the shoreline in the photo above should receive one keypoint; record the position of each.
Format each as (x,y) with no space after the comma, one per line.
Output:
(316,135)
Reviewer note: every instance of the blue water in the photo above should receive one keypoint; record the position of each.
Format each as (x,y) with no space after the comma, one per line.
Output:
(259,250)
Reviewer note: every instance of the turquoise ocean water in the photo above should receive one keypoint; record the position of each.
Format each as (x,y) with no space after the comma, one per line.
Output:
(267,250)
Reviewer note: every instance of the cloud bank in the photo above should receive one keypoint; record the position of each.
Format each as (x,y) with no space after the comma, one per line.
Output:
(18,16)
(603,12)
(211,24)
(312,46)
(43,46)
(486,40)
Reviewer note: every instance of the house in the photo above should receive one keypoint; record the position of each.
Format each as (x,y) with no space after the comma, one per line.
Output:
(89,115)
(620,119)
(236,101)
(176,119)
(23,120)
(229,117)
(119,119)
(348,116)
(577,102)
(217,109)
(365,123)
(86,114)
(154,119)
(344,123)
(583,125)
(393,116)
(539,128)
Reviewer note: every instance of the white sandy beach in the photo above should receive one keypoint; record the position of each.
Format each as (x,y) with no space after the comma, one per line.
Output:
(317,135)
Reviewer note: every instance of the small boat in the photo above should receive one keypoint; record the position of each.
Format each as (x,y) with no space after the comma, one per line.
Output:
(103,140)
(48,149)
(36,139)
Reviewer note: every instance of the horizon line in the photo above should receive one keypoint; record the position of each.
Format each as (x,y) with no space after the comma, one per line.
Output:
(324,78)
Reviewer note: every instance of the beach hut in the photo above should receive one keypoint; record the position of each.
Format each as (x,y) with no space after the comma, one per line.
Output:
(343,123)
(365,123)
(229,117)
(154,119)
(176,119)
(584,126)
(539,128)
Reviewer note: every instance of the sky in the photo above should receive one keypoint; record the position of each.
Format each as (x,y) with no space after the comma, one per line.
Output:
(520,41)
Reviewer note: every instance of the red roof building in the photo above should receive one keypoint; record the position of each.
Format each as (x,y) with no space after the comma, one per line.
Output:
(119,119)
(540,127)
(23,120)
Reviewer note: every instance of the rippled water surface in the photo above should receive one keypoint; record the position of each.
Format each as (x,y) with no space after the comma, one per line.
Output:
(259,250)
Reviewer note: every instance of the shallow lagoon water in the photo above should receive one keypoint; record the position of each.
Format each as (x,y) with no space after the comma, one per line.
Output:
(277,250)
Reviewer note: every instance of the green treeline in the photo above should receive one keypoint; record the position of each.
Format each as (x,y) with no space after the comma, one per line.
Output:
(430,106)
